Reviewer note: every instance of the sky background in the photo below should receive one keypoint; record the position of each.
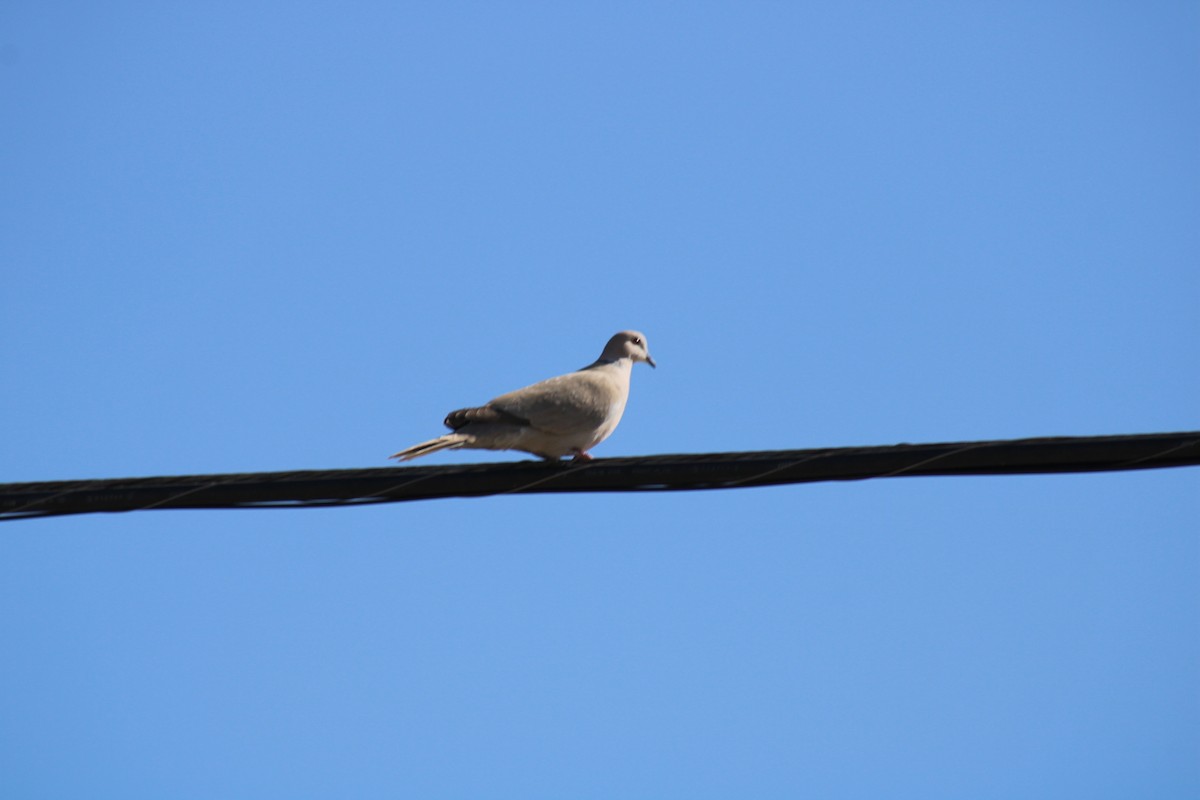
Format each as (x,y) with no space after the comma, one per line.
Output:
(265,236)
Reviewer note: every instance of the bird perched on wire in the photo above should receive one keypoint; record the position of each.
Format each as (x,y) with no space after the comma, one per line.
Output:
(557,417)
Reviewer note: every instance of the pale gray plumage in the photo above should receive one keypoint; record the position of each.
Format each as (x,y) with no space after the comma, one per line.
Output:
(567,415)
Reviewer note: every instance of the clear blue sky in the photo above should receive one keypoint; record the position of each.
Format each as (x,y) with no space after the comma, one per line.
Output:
(268,236)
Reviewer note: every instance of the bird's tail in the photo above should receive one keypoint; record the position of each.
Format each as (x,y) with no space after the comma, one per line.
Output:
(448,442)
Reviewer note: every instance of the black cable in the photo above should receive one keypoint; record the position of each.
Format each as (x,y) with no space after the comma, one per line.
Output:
(633,474)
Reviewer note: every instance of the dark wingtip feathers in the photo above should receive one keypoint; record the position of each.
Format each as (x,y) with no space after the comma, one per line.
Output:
(456,420)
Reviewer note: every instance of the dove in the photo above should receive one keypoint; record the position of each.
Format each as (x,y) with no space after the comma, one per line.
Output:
(563,416)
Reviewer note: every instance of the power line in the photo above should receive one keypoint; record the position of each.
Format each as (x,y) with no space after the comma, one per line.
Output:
(634,474)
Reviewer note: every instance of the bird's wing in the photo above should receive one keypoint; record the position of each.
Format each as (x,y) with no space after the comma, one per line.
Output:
(568,404)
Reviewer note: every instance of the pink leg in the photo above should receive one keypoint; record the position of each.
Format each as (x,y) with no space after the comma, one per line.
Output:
(580,455)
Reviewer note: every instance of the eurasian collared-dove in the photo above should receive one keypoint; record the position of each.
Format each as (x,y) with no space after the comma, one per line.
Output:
(567,415)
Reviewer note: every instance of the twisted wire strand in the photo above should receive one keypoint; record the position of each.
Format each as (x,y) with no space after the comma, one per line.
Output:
(325,488)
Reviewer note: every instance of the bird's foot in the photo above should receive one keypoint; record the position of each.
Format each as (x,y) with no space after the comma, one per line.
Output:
(581,456)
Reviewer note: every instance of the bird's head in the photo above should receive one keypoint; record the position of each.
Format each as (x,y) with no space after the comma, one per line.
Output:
(628,344)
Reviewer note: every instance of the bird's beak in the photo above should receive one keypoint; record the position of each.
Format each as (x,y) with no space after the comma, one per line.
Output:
(650,361)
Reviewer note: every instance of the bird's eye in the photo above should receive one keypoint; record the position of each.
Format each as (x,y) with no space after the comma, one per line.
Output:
(637,340)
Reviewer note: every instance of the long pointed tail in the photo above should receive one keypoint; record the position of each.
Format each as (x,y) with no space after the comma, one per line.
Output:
(448,442)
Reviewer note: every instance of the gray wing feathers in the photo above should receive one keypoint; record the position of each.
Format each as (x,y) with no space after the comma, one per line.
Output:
(567,404)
